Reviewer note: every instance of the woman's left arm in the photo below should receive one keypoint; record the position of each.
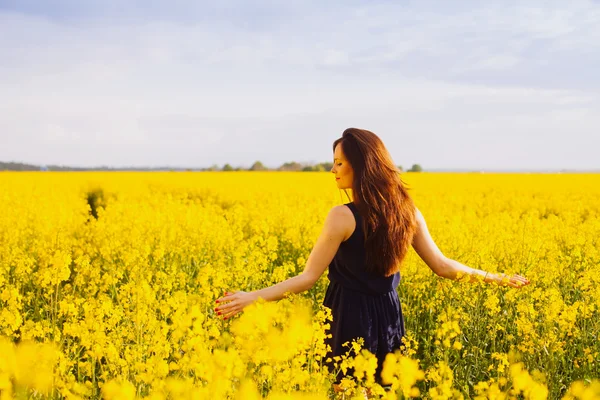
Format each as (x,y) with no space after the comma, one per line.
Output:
(450,269)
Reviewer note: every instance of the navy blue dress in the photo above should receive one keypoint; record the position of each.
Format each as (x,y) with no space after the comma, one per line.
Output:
(362,304)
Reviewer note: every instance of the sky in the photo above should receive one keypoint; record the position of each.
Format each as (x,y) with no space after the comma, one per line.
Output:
(483,85)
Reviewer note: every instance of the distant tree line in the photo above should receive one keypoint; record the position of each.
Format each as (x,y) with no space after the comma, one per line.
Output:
(15,166)
(293,166)
(288,166)
(257,166)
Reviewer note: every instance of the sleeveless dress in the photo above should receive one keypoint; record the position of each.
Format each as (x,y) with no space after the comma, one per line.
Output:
(362,304)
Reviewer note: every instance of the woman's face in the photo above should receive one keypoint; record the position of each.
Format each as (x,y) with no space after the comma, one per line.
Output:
(342,169)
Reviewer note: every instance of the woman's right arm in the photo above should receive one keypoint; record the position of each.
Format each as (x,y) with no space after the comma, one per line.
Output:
(336,228)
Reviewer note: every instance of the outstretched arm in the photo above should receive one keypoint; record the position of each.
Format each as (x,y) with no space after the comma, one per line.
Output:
(334,231)
(450,269)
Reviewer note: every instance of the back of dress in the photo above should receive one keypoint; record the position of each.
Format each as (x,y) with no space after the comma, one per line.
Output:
(362,304)
(348,267)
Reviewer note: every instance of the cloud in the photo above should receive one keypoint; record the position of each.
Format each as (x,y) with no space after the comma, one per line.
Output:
(199,83)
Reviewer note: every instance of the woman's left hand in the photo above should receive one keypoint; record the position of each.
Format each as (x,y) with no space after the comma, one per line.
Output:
(516,281)
(234,303)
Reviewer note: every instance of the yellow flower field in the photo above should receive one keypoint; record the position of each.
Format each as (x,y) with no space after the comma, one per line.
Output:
(108,284)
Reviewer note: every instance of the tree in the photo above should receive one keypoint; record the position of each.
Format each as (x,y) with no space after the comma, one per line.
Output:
(327,166)
(258,166)
(15,166)
(400,168)
(227,167)
(415,168)
(291,166)
(321,167)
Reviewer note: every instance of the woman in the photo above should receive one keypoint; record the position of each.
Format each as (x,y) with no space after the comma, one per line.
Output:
(363,243)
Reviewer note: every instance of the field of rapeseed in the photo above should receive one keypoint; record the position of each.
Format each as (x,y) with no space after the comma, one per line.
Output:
(108,283)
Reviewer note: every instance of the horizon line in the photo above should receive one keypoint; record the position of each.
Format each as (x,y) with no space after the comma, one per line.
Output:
(275,169)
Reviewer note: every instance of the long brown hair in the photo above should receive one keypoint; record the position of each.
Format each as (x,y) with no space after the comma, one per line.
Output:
(388,212)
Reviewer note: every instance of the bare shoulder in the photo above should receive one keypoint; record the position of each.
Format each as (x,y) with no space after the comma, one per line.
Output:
(341,219)
(341,215)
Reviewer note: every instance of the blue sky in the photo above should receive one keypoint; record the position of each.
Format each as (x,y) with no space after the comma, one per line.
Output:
(461,84)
